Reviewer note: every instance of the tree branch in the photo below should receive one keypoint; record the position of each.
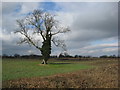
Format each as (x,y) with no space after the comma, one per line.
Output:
(62,30)
(28,39)
(59,43)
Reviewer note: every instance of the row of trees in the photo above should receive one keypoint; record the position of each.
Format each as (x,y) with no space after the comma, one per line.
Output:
(54,56)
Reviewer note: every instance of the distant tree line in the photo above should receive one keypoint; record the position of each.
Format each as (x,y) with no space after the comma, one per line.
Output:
(111,56)
(55,56)
(24,56)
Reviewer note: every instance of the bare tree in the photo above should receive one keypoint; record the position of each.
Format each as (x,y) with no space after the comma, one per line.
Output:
(40,24)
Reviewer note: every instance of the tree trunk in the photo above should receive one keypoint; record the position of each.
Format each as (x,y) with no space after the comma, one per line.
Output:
(46,49)
(44,61)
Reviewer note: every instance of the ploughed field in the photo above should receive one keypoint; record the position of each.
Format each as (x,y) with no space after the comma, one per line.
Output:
(29,73)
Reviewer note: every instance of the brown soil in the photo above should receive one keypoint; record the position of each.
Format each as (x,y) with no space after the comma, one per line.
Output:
(101,77)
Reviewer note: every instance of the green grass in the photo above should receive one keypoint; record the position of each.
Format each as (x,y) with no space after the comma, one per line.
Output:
(0,70)
(14,69)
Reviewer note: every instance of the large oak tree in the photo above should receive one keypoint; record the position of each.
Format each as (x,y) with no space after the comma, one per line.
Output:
(40,24)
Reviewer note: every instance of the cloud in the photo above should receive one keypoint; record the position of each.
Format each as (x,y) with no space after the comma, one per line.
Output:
(89,22)
(96,50)
(61,0)
(12,11)
(105,45)
(8,7)
(28,7)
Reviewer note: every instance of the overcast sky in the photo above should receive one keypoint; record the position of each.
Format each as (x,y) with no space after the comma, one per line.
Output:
(94,27)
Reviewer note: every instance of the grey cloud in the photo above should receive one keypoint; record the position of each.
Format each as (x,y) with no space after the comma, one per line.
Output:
(97,22)
(89,22)
(11,11)
(13,48)
(8,7)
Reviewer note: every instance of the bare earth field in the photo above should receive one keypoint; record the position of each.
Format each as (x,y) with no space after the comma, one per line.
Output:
(103,75)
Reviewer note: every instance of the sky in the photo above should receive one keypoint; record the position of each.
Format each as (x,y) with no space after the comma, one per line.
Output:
(93,25)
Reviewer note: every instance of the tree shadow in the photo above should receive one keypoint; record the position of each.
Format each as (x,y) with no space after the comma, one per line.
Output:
(59,63)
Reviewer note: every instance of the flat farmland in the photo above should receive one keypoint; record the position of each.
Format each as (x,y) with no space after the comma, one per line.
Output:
(24,73)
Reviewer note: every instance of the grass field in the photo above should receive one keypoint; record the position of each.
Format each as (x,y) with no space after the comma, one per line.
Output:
(102,73)
(14,69)
(0,73)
